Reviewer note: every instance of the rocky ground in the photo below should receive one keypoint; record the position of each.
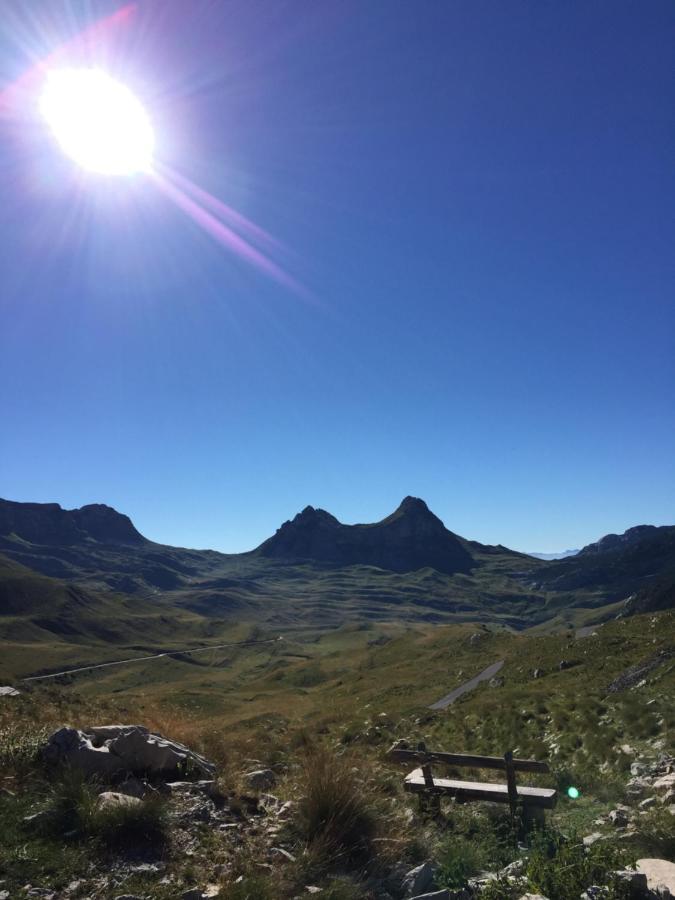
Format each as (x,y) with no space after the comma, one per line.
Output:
(213,840)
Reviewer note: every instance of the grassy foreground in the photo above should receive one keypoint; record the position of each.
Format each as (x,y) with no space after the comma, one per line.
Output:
(320,711)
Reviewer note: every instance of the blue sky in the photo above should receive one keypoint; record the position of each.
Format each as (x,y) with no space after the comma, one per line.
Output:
(478,198)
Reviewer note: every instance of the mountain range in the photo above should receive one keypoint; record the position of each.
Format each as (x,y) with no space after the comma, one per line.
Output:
(63,571)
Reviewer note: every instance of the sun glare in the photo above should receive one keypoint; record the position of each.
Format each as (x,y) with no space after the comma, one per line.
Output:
(97,121)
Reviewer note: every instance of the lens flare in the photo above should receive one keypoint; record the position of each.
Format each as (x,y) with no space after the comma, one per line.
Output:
(573,793)
(97,121)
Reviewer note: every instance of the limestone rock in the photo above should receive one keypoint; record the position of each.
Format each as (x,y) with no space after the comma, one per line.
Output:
(659,873)
(261,779)
(665,782)
(112,749)
(418,880)
(618,818)
(115,800)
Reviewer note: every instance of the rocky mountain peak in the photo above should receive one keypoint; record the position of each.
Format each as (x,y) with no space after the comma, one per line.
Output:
(49,523)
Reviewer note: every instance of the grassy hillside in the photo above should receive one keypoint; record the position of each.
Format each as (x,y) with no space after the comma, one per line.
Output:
(343,696)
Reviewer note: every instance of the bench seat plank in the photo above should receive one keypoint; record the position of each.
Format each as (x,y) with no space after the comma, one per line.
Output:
(476,790)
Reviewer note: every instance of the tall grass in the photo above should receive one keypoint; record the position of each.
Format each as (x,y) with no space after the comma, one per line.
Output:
(337,817)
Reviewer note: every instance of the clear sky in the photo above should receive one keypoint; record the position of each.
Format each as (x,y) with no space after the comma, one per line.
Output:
(478,197)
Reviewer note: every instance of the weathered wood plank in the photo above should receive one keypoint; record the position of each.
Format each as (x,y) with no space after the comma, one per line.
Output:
(403,754)
(476,790)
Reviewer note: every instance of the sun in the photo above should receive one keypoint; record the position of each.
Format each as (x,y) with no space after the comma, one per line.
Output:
(98,121)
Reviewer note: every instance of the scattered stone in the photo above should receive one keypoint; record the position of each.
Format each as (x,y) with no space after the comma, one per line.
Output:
(590,839)
(649,802)
(533,897)
(208,787)
(313,889)
(8,691)
(4,895)
(35,820)
(634,880)
(109,749)
(147,868)
(115,800)
(128,897)
(665,783)
(659,873)
(289,856)
(417,880)
(595,892)
(261,779)
(517,867)
(618,818)
(564,664)
(537,673)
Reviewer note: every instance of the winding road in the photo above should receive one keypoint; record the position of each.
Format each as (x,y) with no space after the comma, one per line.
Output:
(486,674)
(136,659)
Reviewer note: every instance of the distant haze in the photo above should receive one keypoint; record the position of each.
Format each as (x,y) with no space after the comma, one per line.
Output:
(562,554)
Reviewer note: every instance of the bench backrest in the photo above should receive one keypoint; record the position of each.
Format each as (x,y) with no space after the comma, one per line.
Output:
(422,756)
(507,763)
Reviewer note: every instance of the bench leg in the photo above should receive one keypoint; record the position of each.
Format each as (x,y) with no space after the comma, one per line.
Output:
(430,804)
(533,817)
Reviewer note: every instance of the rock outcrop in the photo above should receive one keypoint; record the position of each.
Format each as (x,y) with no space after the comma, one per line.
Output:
(111,749)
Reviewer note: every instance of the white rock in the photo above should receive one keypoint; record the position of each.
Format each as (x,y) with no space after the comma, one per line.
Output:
(115,800)
(108,749)
(417,880)
(658,872)
(665,782)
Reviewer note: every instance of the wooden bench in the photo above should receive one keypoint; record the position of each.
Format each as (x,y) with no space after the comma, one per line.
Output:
(421,781)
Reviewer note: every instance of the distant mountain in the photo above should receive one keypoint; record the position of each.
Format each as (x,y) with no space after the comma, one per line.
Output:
(411,538)
(48,523)
(630,538)
(315,570)
(563,554)
(619,565)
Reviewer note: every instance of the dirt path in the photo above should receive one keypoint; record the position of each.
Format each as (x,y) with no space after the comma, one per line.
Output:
(136,659)
(486,674)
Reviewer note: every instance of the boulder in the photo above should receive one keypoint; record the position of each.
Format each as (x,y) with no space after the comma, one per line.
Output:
(660,873)
(418,880)
(114,800)
(112,749)
(261,779)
